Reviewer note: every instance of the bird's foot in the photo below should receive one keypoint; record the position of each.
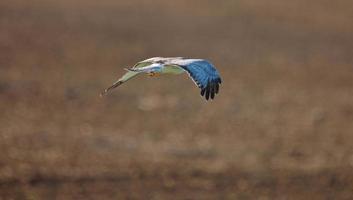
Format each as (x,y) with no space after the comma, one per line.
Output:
(151,74)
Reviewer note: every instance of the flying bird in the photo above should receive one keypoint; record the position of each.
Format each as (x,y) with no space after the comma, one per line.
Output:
(201,71)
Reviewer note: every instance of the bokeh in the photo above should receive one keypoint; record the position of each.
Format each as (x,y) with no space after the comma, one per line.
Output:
(281,127)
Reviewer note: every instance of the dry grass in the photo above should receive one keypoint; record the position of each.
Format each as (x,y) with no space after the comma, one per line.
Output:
(281,127)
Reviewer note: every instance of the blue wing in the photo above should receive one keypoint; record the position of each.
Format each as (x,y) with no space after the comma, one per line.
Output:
(205,75)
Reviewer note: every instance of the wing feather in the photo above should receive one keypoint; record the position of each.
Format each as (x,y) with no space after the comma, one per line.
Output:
(142,64)
(127,76)
(204,74)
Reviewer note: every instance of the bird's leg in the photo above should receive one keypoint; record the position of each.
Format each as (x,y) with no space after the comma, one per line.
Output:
(151,74)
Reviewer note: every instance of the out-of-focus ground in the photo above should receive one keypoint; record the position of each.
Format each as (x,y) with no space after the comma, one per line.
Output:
(281,127)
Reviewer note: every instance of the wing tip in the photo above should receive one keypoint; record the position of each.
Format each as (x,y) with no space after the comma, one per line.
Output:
(103,94)
(106,91)
(211,89)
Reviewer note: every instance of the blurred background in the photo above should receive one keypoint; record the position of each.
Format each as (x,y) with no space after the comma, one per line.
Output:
(281,127)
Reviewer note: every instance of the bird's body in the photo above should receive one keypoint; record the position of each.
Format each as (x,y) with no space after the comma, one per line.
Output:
(202,72)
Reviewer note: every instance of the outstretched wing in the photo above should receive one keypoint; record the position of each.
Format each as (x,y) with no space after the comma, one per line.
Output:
(204,74)
(127,76)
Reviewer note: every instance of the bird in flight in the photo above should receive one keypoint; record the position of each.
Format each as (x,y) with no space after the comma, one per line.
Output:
(201,71)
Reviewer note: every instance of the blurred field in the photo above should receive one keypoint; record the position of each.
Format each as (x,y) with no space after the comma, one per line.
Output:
(281,127)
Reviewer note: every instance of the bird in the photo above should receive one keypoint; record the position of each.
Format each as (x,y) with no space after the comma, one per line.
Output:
(202,72)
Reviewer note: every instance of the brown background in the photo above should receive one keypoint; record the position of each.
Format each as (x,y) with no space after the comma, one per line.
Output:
(281,127)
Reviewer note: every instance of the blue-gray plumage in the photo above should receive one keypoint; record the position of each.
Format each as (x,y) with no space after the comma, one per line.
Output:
(202,72)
